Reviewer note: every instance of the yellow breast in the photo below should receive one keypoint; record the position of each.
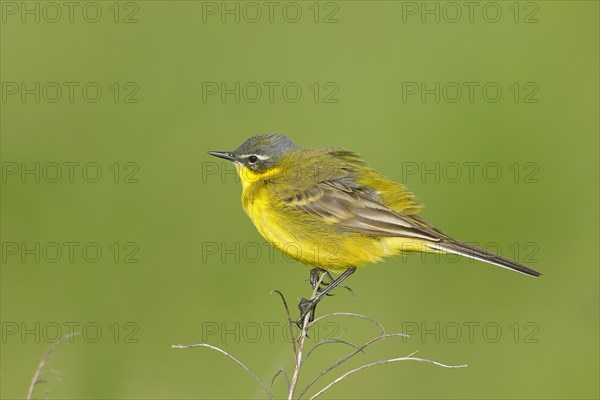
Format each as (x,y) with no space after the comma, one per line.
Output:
(255,201)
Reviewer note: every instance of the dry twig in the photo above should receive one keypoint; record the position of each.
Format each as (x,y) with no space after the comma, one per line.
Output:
(36,380)
(300,355)
(238,362)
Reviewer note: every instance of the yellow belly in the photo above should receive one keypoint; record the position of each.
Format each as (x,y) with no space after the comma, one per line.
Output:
(310,239)
(324,246)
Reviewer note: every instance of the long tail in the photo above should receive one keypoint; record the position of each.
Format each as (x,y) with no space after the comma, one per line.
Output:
(463,249)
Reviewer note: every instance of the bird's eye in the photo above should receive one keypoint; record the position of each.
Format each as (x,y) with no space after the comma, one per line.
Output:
(252,159)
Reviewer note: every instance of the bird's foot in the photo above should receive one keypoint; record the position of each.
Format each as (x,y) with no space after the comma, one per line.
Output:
(306,307)
(315,278)
(326,280)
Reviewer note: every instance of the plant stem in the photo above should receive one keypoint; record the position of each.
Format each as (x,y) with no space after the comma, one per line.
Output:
(301,339)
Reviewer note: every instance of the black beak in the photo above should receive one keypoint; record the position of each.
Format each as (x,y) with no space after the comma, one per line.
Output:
(223,154)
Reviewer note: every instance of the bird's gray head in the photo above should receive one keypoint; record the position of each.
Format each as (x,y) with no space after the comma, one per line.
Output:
(260,152)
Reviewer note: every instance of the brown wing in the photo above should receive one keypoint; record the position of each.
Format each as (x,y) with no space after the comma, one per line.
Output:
(357,211)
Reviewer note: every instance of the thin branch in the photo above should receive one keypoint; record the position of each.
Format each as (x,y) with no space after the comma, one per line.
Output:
(350,290)
(301,339)
(333,314)
(36,376)
(349,356)
(380,362)
(241,364)
(281,371)
(289,318)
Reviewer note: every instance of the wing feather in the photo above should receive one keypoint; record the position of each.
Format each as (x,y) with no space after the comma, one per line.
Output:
(349,209)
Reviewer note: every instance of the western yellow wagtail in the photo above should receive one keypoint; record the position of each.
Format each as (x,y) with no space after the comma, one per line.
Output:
(327,208)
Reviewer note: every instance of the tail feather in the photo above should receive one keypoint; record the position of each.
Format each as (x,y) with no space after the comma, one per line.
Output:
(463,249)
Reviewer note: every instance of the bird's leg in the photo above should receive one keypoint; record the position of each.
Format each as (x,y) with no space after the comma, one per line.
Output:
(308,306)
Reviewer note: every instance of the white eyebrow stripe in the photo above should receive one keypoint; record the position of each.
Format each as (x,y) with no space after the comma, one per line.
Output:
(262,158)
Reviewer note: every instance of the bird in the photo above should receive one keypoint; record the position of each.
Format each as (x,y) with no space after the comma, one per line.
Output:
(328,209)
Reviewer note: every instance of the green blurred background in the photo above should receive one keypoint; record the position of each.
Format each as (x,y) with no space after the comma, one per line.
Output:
(202,270)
